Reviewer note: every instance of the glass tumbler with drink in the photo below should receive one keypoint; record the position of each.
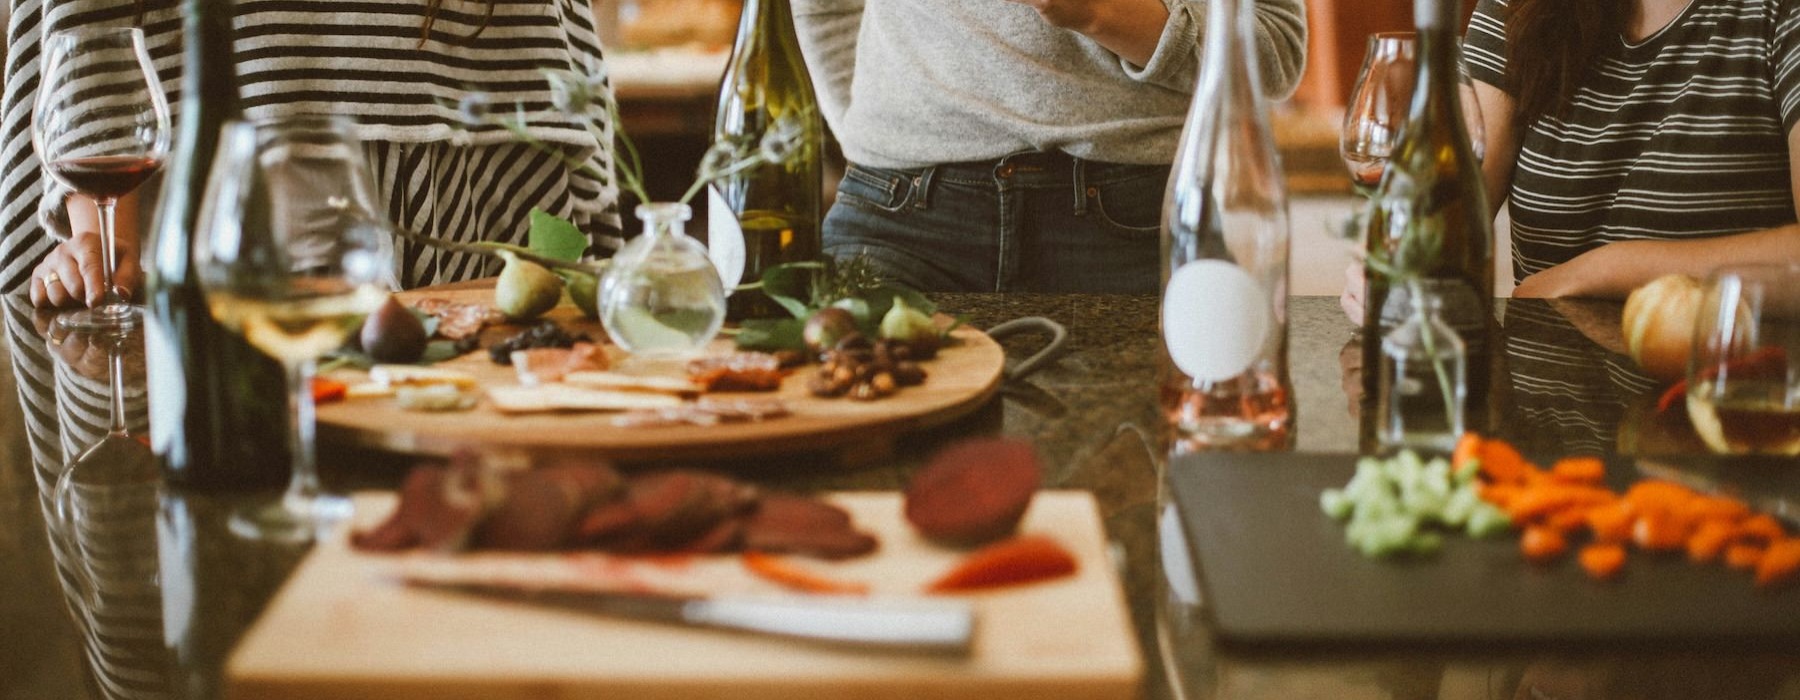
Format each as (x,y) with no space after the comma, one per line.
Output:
(1744,374)
(290,253)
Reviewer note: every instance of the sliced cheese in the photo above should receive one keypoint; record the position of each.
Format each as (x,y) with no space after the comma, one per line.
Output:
(368,390)
(632,382)
(410,375)
(562,397)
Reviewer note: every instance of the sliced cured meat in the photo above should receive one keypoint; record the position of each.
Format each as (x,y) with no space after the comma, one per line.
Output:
(458,320)
(542,506)
(550,365)
(785,523)
(739,371)
(709,410)
(439,508)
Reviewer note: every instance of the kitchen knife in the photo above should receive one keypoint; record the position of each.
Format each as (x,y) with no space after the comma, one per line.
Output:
(944,627)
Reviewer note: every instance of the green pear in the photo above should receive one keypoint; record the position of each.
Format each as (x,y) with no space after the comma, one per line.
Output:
(584,290)
(525,289)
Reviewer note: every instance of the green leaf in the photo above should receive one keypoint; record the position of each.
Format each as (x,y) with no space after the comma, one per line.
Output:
(790,285)
(554,237)
(437,351)
(771,334)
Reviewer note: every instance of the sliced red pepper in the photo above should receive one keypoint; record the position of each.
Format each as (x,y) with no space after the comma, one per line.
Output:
(327,390)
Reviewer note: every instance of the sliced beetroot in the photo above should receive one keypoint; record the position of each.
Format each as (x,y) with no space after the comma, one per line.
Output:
(975,491)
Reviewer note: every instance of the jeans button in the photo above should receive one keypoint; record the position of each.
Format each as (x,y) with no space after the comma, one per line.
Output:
(1005,170)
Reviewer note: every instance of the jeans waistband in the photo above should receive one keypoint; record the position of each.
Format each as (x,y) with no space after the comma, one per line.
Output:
(1041,166)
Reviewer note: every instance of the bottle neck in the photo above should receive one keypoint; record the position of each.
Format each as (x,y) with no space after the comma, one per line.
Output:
(664,219)
(1439,76)
(209,68)
(765,21)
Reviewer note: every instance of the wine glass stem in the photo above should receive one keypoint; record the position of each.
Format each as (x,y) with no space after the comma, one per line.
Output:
(303,487)
(108,251)
(115,375)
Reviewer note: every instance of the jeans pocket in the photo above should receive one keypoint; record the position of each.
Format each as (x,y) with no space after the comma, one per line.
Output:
(874,188)
(1130,206)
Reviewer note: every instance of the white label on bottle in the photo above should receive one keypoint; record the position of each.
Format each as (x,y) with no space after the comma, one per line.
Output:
(1215,319)
(163,376)
(724,239)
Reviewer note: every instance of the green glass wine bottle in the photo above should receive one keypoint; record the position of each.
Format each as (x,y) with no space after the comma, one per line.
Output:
(1430,215)
(769,214)
(218,419)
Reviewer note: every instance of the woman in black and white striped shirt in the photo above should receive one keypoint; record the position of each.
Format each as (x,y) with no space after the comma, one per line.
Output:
(1636,138)
(397,67)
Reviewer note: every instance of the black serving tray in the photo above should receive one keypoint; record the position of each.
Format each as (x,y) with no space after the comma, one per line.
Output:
(1275,569)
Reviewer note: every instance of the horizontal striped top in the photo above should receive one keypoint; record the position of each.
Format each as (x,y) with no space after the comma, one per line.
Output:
(1682,135)
(365,59)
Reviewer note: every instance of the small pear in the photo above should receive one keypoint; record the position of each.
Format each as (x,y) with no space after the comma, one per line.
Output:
(393,334)
(525,289)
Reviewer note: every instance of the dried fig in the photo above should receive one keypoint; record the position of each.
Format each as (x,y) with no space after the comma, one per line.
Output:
(393,334)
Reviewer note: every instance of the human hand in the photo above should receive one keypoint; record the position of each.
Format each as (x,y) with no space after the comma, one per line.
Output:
(72,273)
(1356,286)
(87,353)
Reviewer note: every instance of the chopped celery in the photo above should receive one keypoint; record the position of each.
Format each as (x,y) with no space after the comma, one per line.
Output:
(1392,505)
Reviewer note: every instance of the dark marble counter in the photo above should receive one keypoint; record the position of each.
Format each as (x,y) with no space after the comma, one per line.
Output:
(142,592)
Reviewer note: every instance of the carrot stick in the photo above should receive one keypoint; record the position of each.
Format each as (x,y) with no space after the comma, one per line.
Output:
(1579,470)
(1779,565)
(1603,561)
(1708,541)
(1023,559)
(786,573)
(1542,544)
(1744,556)
(327,390)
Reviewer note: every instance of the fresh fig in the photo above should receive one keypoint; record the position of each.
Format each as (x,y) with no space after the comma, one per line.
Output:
(393,334)
(825,327)
(525,289)
(584,290)
(905,324)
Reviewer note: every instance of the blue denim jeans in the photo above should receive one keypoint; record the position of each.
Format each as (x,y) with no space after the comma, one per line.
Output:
(1029,222)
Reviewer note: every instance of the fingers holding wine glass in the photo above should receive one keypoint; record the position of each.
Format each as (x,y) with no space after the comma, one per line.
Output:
(74,274)
(101,127)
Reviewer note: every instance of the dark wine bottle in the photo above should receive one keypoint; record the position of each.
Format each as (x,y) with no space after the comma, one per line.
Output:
(770,214)
(1430,216)
(218,419)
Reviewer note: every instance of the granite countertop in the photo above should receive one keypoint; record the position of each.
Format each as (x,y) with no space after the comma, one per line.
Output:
(1092,415)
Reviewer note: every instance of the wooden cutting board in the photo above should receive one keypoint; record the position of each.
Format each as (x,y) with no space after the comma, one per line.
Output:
(342,628)
(964,375)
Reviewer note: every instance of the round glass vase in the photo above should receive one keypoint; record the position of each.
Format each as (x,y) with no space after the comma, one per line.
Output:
(1423,380)
(662,296)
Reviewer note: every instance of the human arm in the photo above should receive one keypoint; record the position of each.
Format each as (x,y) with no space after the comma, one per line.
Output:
(1501,143)
(827,30)
(1612,271)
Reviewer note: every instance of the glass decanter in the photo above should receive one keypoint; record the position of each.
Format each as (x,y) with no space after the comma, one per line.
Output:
(1423,380)
(662,295)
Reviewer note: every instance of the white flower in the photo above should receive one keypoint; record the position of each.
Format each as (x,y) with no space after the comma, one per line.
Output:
(569,91)
(474,108)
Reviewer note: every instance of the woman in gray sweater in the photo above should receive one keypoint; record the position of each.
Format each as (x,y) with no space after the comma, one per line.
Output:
(1014,145)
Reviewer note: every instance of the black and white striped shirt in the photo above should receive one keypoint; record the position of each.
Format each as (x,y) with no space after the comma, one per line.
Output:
(1681,135)
(364,59)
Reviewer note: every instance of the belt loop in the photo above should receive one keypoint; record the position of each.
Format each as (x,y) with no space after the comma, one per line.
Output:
(921,187)
(1079,177)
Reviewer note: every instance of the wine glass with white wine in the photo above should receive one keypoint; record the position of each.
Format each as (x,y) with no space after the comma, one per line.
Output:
(291,256)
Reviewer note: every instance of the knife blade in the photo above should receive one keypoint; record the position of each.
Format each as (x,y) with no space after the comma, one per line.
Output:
(941,627)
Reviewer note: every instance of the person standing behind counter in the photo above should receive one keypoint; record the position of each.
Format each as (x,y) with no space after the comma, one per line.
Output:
(1014,145)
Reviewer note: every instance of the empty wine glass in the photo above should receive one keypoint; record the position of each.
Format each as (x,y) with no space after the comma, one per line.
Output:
(1378,107)
(1382,100)
(101,127)
(289,253)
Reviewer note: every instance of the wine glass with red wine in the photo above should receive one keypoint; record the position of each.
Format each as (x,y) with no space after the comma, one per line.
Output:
(101,127)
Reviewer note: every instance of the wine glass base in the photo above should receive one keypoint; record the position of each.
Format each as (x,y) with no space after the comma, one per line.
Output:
(114,317)
(292,519)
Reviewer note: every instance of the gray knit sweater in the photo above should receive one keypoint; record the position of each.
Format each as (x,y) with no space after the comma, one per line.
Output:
(909,83)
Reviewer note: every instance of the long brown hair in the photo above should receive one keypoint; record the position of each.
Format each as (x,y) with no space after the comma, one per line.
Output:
(1550,46)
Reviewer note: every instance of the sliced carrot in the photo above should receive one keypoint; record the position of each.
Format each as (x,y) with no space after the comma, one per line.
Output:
(1708,541)
(790,575)
(1780,564)
(1659,531)
(327,390)
(1603,560)
(1657,494)
(1580,470)
(1500,494)
(1611,522)
(1500,461)
(1468,449)
(1549,496)
(1542,544)
(1566,520)
(1744,556)
(1762,528)
(1023,559)
(1714,508)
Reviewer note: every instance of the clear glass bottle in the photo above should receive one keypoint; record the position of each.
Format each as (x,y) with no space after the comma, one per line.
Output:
(1424,380)
(1224,377)
(662,295)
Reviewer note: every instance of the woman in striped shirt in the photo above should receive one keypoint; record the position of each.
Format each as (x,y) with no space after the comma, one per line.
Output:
(399,68)
(1636,138)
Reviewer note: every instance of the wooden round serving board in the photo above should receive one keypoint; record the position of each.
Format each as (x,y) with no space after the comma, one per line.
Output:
(964,375)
